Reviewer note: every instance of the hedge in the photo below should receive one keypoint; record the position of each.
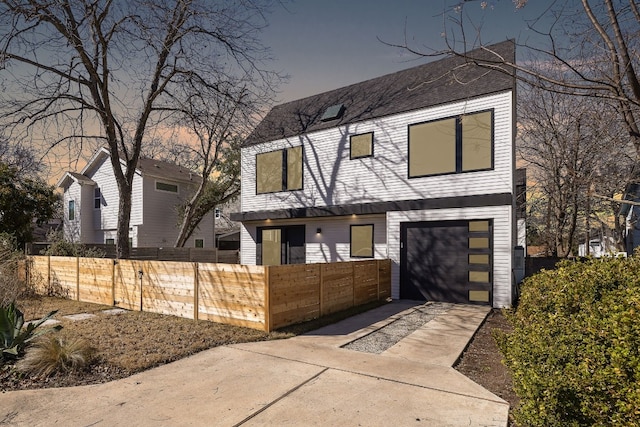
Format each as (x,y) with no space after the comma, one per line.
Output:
(574,348)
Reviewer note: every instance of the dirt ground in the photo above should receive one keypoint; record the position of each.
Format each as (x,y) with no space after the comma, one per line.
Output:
(482,360)
(134,341)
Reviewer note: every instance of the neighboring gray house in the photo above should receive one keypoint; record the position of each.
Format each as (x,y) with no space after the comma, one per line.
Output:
(416,166)
(91,198)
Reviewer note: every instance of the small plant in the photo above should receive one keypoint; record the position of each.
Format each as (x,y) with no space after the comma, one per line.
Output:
(12,284)
(54,354)
(14,336)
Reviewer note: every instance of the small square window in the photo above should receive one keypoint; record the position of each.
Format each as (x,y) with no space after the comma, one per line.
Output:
(200,243)
(362,241)
(361,145)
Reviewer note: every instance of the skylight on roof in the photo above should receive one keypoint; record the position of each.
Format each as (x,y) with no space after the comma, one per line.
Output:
(333,112)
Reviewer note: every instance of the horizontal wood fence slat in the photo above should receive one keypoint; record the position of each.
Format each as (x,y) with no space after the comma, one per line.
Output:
(259,297)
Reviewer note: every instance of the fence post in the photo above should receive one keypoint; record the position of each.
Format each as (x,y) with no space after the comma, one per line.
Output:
(321,290)
(113,281)
(196,291)
(353,282)
(267,300)
(77,278)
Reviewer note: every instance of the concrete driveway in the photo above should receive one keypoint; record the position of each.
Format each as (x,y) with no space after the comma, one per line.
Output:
(303,381)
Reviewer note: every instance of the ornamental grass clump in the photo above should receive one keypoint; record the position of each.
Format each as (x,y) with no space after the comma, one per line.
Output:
(53,353)
(574,351)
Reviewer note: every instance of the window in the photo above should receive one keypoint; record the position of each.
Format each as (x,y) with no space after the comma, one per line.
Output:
(110,241)
(97,198)
(72,210)
(217,213)
(361,145)
(271,247)
(200,243)
(451,145)
(362,241)
(279,170)
(164,186)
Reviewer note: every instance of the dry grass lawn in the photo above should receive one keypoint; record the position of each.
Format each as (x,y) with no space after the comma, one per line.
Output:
(134,341)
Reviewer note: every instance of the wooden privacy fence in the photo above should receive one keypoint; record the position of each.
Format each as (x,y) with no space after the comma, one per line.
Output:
(259,297)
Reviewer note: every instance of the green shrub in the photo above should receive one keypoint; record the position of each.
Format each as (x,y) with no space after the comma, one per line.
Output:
(53,353)
(574,351)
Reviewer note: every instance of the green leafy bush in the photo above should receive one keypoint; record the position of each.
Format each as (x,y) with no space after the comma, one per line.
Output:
(61,247)
(574,351)
(14,335)
(55,354)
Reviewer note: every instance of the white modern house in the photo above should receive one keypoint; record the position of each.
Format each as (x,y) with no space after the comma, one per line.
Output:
(416,166)
(91,204)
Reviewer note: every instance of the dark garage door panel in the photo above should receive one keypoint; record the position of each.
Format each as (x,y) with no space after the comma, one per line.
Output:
(434,261)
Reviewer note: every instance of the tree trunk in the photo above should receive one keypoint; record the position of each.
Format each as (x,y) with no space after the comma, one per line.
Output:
(124,220)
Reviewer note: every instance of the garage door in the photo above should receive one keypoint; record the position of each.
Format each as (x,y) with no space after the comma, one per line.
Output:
(448,261)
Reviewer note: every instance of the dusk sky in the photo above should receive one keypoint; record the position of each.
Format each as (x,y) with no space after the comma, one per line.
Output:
(324,45)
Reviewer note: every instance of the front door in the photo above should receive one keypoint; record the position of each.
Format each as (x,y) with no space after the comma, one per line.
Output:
(281,245)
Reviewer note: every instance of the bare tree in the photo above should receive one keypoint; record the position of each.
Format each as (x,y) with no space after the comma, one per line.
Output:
(571,147)
(593,43)
(216,123)
(108,72)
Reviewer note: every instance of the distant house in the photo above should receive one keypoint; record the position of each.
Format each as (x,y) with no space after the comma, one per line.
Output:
(91,198)
(416,166)
(631,214)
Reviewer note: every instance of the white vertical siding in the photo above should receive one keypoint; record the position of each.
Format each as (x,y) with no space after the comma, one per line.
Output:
(72,228)
(331,178)
(502,243)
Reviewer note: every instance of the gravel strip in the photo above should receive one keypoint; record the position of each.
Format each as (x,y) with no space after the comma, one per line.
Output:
(387,336)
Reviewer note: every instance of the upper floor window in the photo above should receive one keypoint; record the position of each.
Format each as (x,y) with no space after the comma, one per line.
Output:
(72,210)
(97,198)
(361,145)
(451,145)
(279,170)
(165,186)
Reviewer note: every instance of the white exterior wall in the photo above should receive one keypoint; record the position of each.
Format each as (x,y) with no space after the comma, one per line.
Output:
(331,178)
(332,245)
(160,226)
(502,243)
(71,229)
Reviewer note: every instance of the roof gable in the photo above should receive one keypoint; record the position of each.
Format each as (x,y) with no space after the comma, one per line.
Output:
(447,80)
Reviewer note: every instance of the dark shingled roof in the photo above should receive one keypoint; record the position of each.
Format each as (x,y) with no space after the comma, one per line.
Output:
(166,170)
(447,80)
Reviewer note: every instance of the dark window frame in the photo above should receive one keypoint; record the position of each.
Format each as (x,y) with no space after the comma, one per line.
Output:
(351,156)
(97,198)
(285,154)
(458,144)
(195,243)
(373,249)
(167,185)
(71,210)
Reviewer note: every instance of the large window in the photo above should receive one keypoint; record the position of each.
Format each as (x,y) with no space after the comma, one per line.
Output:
(451,145)
(361,145)
(279,170)
(72,210)
(362,241)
